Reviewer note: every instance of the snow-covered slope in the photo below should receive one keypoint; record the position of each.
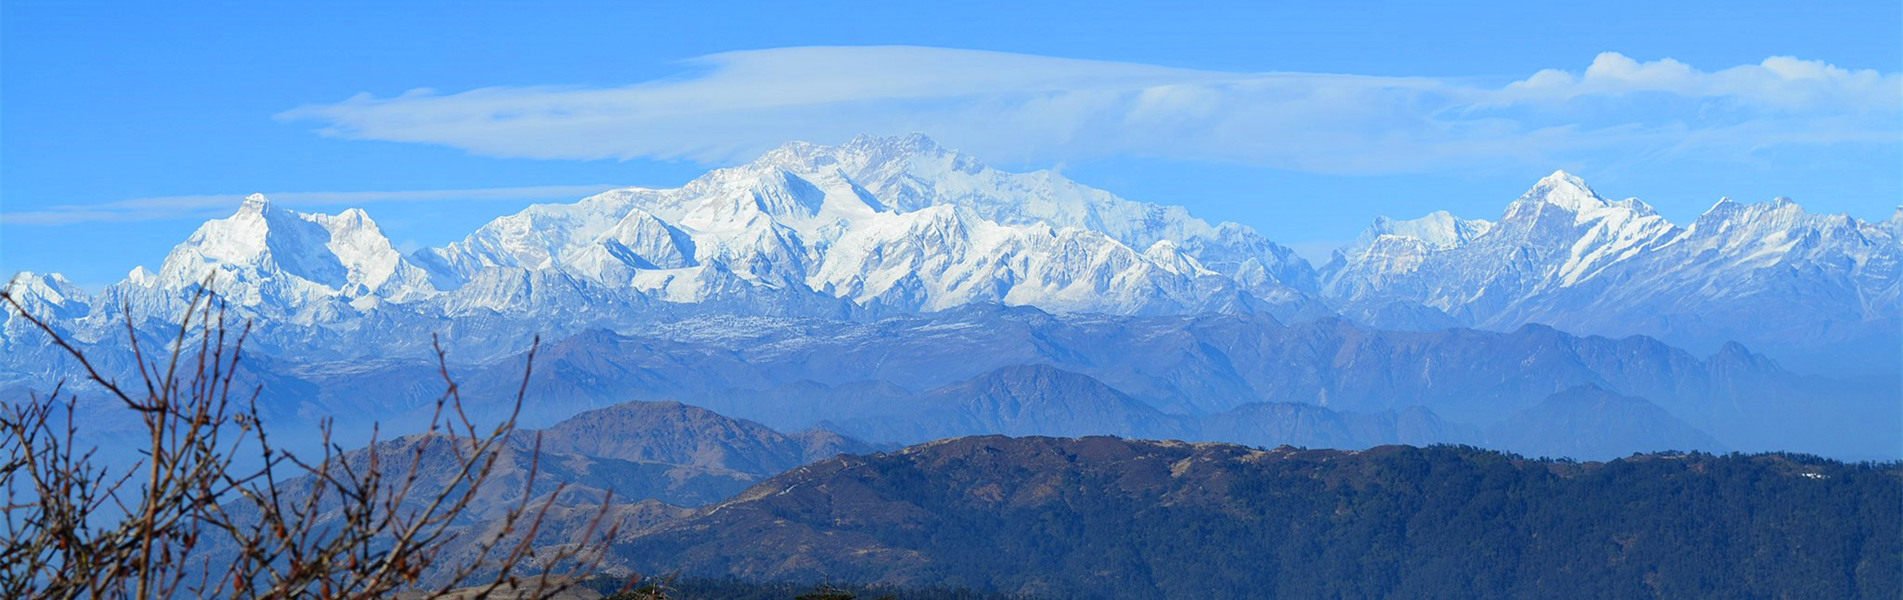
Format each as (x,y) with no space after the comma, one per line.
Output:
(282,263)
(892,223)
(872,226)
(293,273)
(881,226)
(1770,274)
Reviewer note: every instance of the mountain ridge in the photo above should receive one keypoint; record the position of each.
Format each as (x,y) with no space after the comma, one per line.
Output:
(1562,255)
(881,226)
(810,255)
(1102,517)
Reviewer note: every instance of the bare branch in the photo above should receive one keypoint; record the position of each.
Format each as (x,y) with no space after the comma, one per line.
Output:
(360,524)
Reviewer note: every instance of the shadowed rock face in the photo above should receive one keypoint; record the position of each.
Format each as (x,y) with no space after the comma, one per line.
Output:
(1109,518)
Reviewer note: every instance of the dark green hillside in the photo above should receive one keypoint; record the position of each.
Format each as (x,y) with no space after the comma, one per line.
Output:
(1110,518)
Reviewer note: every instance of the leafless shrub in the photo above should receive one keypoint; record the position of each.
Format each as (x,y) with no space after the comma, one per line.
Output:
(212,509)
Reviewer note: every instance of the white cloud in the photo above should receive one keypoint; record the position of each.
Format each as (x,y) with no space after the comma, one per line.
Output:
(1780,82)
(212,205)
(730,106)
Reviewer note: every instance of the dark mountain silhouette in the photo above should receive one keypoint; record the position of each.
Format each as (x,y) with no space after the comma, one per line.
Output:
(1108,518)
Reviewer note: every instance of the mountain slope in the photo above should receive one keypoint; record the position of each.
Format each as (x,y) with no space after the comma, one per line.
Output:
(287,264)
(1044,400)
(1770,275)
(895,223)
(674,433)
(863,376)
(636,465)
(1590,423)
(665,451)
(872,227)
(1108,518)
(878,227)
(1019,400)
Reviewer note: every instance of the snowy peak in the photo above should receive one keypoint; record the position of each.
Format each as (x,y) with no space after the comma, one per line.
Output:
(265,250)
(1439,230)
(48,296)
(258,236)
(368,257)
(1767,234)
(142,277)
(1735,222)
(1170,256)
(643,241)
(1564,256)
(770,192)
(47,290)
(1561,196)
(863,155)
(1562,190)
(877,149)
(883,225)
(1566,220)
(1780,212)
(894,222)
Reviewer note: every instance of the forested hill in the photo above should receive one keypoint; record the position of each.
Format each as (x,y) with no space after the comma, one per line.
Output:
(1110,518)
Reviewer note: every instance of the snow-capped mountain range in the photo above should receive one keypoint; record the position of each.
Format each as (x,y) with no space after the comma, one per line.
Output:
(881,226)
(1770,274)
(894,223)
(872,226)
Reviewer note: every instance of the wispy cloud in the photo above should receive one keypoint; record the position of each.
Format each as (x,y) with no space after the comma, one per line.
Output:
(210,205)
(728,107)
(1779,83)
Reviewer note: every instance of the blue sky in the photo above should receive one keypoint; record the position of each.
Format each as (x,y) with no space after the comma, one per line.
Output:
(123,125)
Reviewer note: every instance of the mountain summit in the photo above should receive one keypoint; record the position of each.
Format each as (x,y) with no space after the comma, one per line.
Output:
(1562,190)
(886,223)
(1769,274)
(283,262)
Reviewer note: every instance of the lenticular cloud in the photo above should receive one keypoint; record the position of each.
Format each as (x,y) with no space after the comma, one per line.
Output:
(730,106)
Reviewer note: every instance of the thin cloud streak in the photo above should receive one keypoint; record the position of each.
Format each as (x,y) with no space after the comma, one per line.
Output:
(729,107)
(211,205)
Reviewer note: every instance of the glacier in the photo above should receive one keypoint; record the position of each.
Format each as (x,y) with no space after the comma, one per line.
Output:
(1769,275)
(875,226)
